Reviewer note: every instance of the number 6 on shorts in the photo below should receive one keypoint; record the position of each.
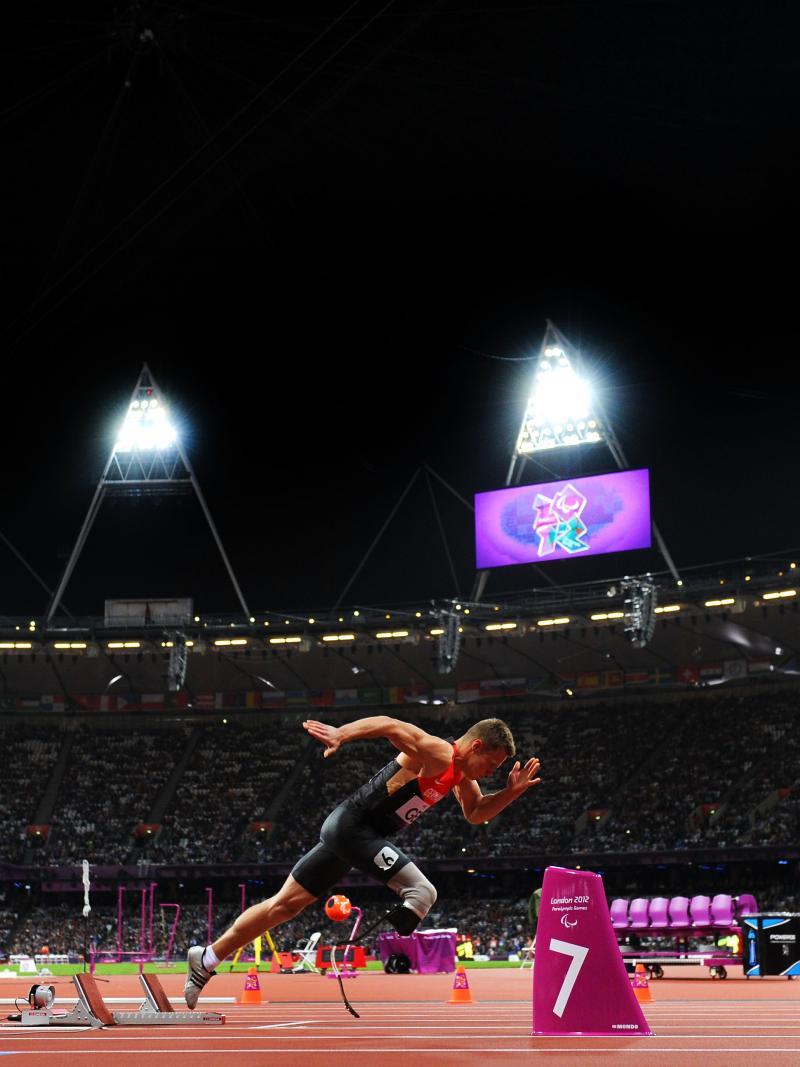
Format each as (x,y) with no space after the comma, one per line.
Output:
(579,954)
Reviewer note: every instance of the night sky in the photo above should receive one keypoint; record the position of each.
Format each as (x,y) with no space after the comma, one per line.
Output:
(335,233)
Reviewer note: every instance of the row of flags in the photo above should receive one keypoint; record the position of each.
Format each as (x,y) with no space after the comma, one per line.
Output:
(375,696)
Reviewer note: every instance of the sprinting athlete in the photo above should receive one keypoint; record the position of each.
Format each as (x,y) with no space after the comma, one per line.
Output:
(357,833)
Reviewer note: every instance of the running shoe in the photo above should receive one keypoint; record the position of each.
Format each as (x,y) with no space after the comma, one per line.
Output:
(196,975)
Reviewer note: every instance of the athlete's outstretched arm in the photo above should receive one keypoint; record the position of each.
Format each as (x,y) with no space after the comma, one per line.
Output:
(479,807)
(420,746)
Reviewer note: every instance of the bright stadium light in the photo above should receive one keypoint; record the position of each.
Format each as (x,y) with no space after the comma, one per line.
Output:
(146,428)
(559,411)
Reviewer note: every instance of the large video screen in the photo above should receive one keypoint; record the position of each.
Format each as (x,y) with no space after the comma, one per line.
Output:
(563,520)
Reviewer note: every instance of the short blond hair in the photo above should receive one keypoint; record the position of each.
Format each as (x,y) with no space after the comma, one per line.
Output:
(495,735)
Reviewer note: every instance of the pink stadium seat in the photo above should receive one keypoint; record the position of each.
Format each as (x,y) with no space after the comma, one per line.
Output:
(722,910)
(700,911)
(679,911)
(658,912)
(639,913)
(746,905)
(619,913)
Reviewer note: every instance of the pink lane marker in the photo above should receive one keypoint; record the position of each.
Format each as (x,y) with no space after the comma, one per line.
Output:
(580,985)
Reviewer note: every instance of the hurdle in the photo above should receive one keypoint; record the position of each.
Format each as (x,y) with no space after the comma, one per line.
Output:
(92,1010)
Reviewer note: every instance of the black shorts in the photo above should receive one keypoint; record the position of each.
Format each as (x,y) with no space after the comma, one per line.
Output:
(347,840)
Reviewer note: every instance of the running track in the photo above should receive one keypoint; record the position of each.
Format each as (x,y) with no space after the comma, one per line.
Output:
(303,1022)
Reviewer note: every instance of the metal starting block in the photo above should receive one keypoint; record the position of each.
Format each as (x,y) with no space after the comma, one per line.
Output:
(91,1009)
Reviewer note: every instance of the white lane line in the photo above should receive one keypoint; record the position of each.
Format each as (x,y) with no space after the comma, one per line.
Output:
(532,1042)
(278,1026)
(249,1049)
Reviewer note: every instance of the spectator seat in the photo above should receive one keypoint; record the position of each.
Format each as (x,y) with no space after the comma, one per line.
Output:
(679,911)
(700,910)
(619,913)
(659,916)
(639,913)
(746,905)
(722,910)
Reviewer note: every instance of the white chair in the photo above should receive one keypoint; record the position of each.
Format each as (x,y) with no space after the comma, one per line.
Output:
(306,949)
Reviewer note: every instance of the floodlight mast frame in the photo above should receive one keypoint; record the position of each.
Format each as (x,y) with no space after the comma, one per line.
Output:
(149,474)
(554,336)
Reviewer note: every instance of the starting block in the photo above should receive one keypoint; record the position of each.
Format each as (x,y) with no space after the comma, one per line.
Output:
(580,985)
(91,1009)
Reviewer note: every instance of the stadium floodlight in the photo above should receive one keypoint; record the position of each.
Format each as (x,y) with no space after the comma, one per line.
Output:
(559,410)
(146,427)
(147,459)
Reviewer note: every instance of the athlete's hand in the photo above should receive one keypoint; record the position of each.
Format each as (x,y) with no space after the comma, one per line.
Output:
(522,778)
(330,736)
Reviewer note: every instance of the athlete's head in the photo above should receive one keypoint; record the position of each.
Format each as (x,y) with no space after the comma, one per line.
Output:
(484,747)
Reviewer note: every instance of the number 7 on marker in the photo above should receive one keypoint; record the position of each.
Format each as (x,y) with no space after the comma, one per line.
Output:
(579,954)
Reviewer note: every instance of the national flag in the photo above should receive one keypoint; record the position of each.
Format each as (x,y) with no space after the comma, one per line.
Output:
(444,694)
(710,670)
(252,699)
(502,687)
(466,692)
(51,703)
(203,701)
(371,695)
(343,698)
(612,679)
(86,700)
(296,696)
(152,701)
(638,678)
(758,666)
(588,680)
(734,668)
(689,674)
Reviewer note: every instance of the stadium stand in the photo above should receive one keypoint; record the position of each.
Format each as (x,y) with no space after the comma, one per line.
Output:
(696,774)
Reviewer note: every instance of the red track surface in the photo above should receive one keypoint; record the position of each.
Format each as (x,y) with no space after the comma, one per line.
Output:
(303,1021)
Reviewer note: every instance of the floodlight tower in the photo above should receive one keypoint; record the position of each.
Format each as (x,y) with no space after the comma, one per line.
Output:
(147,459)
(562,412)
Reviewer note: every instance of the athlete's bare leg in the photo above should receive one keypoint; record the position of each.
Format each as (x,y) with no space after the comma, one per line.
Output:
(289,901)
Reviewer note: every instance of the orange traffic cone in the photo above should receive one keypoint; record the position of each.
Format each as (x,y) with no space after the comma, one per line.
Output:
(641,987)
(461,993)
(252,989)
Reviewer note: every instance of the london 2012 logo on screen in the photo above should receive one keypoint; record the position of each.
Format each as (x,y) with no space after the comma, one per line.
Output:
(557,521)
(561,520)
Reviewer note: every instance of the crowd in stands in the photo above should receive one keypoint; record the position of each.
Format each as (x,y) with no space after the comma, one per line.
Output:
(721,759)
(234,777)
(694,772)
(497,926)
(110,784)
(29,758)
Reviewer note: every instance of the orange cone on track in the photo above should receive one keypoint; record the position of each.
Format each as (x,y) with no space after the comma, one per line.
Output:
(252,989)
(641,987)
(461,993)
